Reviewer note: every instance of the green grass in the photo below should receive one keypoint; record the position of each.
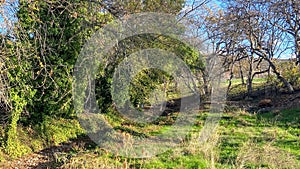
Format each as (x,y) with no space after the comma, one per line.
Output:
(242,140)
(50,132)
(237,88)
(278,132)
(239,81)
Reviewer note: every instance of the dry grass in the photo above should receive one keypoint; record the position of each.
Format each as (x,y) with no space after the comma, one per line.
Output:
(266,156)
(209,148)
(92,161)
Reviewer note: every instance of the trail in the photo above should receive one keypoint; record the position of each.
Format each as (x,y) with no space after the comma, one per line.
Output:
(52,157)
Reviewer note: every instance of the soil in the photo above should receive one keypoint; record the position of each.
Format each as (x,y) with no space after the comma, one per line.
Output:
(52,157)
(279,101)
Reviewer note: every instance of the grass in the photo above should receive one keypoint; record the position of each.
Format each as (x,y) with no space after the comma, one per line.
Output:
(43,135)
(242,140)
(255,80)
(237,88)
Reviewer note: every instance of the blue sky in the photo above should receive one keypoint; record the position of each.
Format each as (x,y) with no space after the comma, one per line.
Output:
(287,54)
(216,3)
(8,8)
(1,22)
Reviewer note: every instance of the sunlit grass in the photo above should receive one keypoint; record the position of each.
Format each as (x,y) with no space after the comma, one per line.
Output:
(242,140)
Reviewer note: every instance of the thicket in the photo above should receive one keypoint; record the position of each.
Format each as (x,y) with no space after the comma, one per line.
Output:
(40,52)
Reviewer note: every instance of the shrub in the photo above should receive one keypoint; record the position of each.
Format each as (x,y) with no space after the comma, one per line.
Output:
(291,72)
(56,131)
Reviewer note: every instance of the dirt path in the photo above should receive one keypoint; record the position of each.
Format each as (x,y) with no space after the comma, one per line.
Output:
(35,160)
(52,157)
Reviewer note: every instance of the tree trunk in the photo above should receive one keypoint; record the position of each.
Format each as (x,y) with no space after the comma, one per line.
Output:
(269,74)
(230,78)
(249,86)
(249,78)
(206,82)
(241,74)
(297,50)
(163,102)
(279,77)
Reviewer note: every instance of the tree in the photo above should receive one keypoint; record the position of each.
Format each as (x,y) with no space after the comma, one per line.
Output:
(56,31)
(287,14)
(39,53)
(243,31)
(119,8)
(43,47)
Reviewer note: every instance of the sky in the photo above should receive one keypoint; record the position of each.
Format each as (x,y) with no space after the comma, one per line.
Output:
(7,9)
(287,54)
(215,4)
(1,23)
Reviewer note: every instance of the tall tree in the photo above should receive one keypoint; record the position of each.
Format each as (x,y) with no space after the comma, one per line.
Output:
(243,30)
(287,14)
(56,31)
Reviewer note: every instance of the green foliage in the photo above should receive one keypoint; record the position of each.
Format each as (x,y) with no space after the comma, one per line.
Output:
(56,31)
(291,73)
(55,131)
(20,95)
(147,81)
(13,146)
(36,144)
(167,6)
(144,85)
(134,6)
(2,159)
(47,39)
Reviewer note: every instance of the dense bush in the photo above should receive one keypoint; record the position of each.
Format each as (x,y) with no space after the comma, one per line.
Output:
(56,131)
(40,55)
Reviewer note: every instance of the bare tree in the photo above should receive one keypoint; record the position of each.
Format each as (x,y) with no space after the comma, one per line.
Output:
(243,31)
(287,14)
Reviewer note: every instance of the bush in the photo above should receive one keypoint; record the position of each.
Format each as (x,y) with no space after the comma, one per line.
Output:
(55,131)
(293,76)
(14,148)
(291,72)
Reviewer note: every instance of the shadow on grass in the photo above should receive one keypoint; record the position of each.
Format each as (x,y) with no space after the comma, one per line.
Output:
(61,154)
